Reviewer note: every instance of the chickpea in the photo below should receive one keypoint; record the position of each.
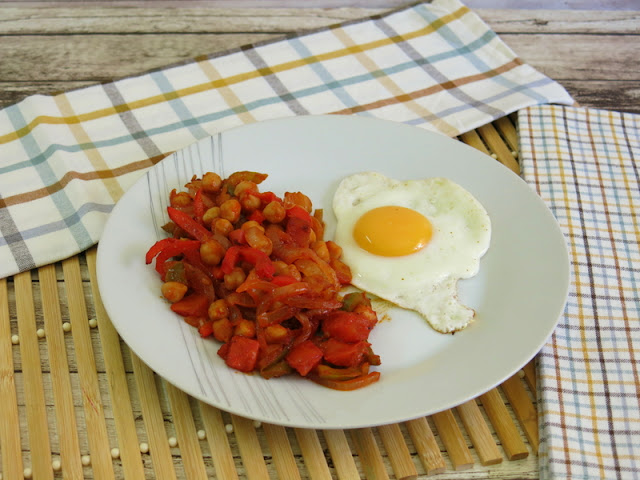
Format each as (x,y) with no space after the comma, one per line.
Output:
(283,268)
(181,199)
(252,223)
(230,210)
(222,226)
(234,279)
(173,291)
(298,198)
(274,212)
(218,309)
(211,252)
(243,186)
(249,202)
(245,328)
(258,240)
(321,249)
(211,182)
(210,215)
(335,250)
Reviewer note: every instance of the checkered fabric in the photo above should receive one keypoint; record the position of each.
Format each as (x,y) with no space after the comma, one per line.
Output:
(585,165)
(65,160)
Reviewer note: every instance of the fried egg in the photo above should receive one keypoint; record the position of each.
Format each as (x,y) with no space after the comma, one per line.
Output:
(409,242)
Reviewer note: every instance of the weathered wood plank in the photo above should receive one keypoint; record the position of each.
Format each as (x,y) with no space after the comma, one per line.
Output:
(90,19)
(573,57)
(105,57)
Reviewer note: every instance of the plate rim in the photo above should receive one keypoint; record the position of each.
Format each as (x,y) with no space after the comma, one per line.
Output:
(239,411)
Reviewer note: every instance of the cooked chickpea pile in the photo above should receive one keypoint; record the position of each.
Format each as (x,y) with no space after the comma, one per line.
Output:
(254,271)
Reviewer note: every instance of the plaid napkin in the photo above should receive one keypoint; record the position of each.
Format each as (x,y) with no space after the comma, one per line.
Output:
(584,164)
(66,160)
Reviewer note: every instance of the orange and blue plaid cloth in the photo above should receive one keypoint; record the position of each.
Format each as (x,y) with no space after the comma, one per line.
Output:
(65,160)
(585,164)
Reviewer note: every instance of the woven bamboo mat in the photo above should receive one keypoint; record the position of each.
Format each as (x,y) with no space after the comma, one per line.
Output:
(77,403)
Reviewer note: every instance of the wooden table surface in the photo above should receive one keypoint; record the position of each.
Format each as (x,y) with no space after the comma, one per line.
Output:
(46,47)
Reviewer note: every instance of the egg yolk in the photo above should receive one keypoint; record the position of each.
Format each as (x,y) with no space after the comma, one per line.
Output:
(392,231)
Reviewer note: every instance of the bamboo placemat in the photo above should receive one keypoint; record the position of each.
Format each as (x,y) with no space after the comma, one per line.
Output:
(77,403)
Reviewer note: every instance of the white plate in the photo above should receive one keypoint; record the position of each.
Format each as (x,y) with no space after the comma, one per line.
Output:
(519,293)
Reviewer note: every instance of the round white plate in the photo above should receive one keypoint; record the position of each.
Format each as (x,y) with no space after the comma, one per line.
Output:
(519,293)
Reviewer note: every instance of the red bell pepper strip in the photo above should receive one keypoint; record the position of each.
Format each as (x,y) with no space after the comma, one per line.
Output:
(157,247)
(268,197)
(282,280)
(168,248)
(198,206)
(299,212)
(189,225)
(263,264)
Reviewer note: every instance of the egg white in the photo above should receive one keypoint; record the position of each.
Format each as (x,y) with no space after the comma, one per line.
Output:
(424,281)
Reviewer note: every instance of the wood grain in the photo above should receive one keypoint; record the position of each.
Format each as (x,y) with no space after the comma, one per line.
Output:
(479,433)
(9,420)
(118,388)
(498,414)
(33,387)
(60,378)
(453,440)
(426,446)
(364,442)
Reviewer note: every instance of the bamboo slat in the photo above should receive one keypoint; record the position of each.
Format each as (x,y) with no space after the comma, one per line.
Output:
(314,459)
(367,449)
(33,387)
(493,140)
(479,433)
(341,454)
(9,422)
(522,406)
(101,464)
(191,453)
(426,445)
(218,442)
(453,440)
(396,448)
(250,448)
(280,447)
(153,421)
(512,443)
(118,388)
(530,377)
(61,382)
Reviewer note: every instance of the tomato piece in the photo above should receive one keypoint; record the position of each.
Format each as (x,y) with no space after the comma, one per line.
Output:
(343,354)
(242,354)
(206,329)
(347,326)
(194,305)
(256,216)
(304,357)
